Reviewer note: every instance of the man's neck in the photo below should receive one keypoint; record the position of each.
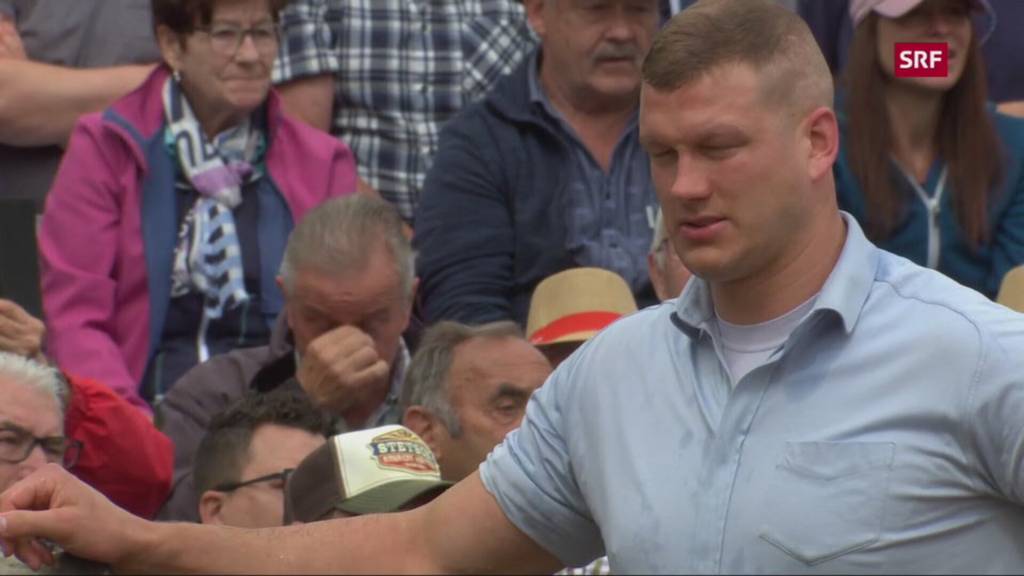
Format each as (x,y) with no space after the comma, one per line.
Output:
(598,122)
(781,288)
(914,118)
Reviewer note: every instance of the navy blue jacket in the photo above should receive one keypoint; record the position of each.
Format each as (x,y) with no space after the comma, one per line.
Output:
(491,220)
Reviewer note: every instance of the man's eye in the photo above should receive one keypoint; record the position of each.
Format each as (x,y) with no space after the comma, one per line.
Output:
(10,439)
(508,408)
(720,150)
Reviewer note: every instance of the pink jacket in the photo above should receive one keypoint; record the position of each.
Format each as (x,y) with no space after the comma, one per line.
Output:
(97,295)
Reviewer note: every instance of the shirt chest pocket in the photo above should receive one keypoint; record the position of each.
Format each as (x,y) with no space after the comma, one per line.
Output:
(827,499)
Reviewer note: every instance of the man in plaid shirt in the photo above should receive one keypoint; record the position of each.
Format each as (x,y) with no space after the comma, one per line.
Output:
(384,75)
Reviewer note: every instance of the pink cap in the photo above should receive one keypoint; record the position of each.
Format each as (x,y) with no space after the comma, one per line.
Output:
(859,9)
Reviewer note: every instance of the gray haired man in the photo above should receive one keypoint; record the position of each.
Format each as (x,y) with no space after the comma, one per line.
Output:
(467,387)
(348,283)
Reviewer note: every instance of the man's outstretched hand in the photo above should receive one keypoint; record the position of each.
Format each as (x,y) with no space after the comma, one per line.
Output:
(51,505)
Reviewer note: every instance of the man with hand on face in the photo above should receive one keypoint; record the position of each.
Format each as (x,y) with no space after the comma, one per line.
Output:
(872,426)
(348,285)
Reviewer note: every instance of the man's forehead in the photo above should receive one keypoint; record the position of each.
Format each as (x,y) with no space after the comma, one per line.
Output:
(273,445)
(500,358)
(694,121)
(29,408)
(377,282)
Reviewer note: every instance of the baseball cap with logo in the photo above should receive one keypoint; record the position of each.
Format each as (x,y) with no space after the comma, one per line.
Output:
(575,304)
(365,472)
(859,9)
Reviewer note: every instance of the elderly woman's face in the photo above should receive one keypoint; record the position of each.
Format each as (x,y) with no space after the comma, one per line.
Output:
(225,66)
(932,21)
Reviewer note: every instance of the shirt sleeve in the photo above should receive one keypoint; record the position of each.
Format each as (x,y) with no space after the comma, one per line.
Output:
(308,43)
(994,422)
(531,476)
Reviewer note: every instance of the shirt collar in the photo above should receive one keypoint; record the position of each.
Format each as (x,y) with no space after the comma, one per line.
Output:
(844,293)
(388,412)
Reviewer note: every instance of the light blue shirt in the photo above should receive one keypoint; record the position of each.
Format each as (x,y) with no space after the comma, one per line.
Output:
(885,435)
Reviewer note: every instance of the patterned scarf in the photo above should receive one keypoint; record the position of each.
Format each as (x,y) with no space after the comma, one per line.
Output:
(208,257)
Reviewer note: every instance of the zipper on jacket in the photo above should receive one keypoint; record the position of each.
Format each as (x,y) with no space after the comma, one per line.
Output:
(933,206)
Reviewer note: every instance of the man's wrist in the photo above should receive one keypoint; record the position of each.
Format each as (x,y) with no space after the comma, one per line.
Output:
(148,546)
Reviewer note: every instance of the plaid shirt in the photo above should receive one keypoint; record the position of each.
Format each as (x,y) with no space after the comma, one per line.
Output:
(402,68)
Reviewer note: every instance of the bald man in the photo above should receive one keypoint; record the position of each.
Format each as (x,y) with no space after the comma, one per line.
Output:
(809,403)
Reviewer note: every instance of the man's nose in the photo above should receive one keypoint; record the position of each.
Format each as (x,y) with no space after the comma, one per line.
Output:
(691,182)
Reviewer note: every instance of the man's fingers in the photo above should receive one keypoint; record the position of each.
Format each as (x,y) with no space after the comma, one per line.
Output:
(340,341)
(374,373)
(20,524)
(361,359)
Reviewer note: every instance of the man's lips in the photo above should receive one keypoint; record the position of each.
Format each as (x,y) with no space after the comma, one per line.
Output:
(701,221)
(701,229)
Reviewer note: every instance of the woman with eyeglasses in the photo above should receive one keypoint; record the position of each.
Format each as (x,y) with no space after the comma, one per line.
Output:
(163,232)
(927,165)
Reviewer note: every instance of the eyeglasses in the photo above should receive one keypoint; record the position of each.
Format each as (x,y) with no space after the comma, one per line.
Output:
(226,39)
(16,445)
(232,486)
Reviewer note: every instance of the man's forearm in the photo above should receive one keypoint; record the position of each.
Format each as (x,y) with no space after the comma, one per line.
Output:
(40,103)
(360,545)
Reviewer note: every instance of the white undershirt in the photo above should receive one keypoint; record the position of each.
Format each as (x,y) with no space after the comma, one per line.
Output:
(748,346)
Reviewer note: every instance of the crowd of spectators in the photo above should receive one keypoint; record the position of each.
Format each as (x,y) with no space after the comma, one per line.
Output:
(275,236)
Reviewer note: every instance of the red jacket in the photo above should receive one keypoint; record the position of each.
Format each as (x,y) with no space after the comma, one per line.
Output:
(123,455)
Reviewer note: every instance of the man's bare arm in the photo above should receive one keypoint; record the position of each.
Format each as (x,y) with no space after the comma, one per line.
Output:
(310,99)
(40,103)
(464,530)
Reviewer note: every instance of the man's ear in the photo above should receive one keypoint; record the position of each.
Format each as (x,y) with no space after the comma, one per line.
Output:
(823,136)
(211,503)
(423,422)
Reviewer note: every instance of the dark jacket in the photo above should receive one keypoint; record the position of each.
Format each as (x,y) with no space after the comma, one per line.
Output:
(492,218)
(204,392)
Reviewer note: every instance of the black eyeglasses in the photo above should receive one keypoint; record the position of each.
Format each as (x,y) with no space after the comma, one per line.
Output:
(232,486)
(17,444)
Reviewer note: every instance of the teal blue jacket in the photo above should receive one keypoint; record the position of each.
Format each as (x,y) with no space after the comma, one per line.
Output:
(981,269)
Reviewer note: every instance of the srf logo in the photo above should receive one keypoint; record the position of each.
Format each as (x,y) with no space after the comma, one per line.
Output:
(922,59)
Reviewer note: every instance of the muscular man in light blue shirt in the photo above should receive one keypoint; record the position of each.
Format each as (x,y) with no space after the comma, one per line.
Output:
(884,434)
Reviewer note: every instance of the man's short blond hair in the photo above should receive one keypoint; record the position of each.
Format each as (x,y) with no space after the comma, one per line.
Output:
(757,33)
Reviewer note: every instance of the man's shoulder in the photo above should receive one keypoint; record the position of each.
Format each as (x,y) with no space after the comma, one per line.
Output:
(929,301)
(214,383)
(637,337)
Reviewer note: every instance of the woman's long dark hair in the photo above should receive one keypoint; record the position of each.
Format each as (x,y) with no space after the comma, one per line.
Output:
(967,140)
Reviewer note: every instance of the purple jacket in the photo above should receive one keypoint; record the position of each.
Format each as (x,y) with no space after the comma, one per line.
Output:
(108,232)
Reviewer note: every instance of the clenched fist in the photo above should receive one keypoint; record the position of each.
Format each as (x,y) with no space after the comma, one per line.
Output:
(342,370)
(20,332)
